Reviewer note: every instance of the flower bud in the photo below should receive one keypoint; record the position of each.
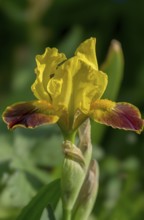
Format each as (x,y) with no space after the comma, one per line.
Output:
(88,193)
(85,141)
(73,174)
(75,167)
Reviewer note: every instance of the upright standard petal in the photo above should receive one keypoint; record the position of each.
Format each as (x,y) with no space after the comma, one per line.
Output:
(29,114)
(75,85)
(118,115)
(46,66)
(87,52)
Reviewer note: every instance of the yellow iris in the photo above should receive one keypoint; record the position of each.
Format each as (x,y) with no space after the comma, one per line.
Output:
(68,92)
(69,86)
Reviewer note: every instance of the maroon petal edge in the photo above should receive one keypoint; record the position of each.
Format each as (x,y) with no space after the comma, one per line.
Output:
(123,116)
(29,114)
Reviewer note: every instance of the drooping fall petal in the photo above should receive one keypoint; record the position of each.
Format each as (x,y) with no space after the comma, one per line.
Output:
(29,114)
(118,115)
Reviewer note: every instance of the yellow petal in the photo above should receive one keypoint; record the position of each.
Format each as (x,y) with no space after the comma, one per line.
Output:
(46,66)
(78,84)
(120,115)
(87,52)
(39,90)
(60,86)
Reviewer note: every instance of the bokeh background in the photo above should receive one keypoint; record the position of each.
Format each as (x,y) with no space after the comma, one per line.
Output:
(32,158)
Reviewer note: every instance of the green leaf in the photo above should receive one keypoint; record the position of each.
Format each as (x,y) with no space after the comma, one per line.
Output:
(17,192)
(48,195)
(113,66)
(50,213)
(27,166)
(71,40)
(6,151)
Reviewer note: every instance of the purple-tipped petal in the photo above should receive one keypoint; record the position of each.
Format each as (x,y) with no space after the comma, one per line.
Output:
(29,114)
(118,115)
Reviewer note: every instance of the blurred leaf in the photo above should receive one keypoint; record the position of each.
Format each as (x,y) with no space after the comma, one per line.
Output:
(17,192)
(113,66)
(71,41)
(49,194)
(6,150)
(48,151)
(130,204)
(51,213)
(48,214)
(21,155)
(44,215)
(7,213)
(27,166)
(134,93)
(131,164)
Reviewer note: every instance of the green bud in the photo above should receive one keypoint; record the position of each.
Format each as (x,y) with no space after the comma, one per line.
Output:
(73,174)
(88,193)
(75,167)
(85,141)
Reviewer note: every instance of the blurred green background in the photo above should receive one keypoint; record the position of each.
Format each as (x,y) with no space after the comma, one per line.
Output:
(31,158)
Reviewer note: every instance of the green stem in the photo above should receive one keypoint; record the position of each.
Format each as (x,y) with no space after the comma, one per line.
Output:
(66,214)
(70,136)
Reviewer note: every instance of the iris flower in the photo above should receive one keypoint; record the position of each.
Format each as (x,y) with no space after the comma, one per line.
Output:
(68,91)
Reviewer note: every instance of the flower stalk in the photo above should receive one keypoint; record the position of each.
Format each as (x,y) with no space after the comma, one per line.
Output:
(76,172)
(67,214)
(70,136)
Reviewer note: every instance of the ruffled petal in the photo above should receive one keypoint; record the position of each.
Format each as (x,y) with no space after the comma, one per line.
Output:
(39,91)
(75,85)
(46,66)
(29,114)
(87,52)
(117,115)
